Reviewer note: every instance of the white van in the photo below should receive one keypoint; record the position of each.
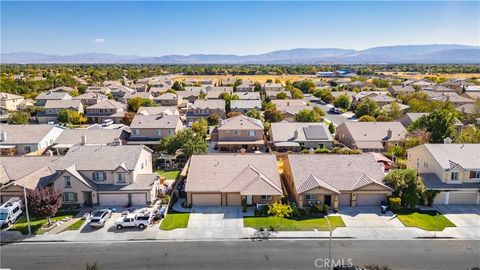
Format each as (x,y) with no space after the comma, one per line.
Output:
(10,212)
(107,122)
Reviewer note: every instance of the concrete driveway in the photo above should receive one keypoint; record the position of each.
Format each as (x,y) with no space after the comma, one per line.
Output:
(368,216)
(466,215)
(216,217)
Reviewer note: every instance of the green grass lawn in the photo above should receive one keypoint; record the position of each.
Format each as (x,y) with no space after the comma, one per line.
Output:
(75,226)
(283,224)
(168,174)
(37,223)
(175,220)
(426,220)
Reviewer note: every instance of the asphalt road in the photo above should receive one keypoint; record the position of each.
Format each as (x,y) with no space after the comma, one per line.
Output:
(273,254)
(336,119)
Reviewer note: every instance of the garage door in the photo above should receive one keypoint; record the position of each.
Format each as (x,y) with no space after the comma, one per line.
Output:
(113,199)
(344,199)
(234,199)
(206,199)
(139,199)
(440,198)
(462,198)
(370,199)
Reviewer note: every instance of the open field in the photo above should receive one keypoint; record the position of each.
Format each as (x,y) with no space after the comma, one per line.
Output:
(408,75)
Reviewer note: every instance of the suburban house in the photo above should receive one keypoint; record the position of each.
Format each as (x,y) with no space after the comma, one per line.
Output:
(228,81)
(128,96)
(409,118)
(119,91)
(245,87)
(150,129)
(64,89)
(168,99)
(42,98)
(191,93)
(451,170)
(166,110)
(88,136)
(371,136)
(452,97)
(275,94)
(27,139)
(108,109)
(139,87)
(98,89)
(91,98)
(290,108)
(239,132)
(215,92)
(53,107)
(248,95)
(123,178)
(244,106)
(396,90)
(335,180)
(203,108)
(285,136)
(157,91)
(380,97)
(233,180)
(273,87)
(10,102)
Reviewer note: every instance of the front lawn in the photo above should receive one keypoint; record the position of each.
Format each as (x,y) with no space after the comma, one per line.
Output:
(37,223)
(426,220)
(284,224)
(75,226)
(168,174)
(175,220)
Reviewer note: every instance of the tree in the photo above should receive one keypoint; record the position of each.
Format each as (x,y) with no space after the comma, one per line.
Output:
(44,202)
(296,93)
(440,124)
(233,114)
(137,102)
(71,117)
(342,101)
(393,111)
(213,119)
(331,128)
(366,107)
(187,141)
(200,127)
(128,117)
(469,134)
(318,111)
(366,118)
(383,118)
(407,185)
(305,86)
(282,95)
(254,114)
(178,86)
(272,115)
(202,95)
(279,209)
(228,99)
(324,95)
(307,116)
(18,118)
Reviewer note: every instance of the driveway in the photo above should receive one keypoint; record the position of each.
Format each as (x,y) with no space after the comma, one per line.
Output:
(336,119)
(466,215)
(368,216)
(215,217)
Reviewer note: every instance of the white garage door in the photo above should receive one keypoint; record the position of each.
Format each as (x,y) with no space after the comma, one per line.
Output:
(139,199)
(113,199)
(234,199)
(370,199)
(462,198)
(344,199)
(206,199)
(440,198)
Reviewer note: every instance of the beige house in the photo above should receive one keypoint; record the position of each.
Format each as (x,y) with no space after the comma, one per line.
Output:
(53,107)
(272,95)
(371,136)
(243,106)
(10,102)
(168,99)
(233,180)
(150,129)
(382,98)
(191,93)
(27,139)
(273,87)
(453,170)
(203,108)
(98,89)
(88,136)
(42,98)
(285,136)
(290,108)
(239,132)
(91,98)
(166,110)
(396,90)
(245,87)
(335,180)
(108,109)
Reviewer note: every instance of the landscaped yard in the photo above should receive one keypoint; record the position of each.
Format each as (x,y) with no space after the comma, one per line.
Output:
(37,223)
(175,220)
(426,220)
(75,226)
(168,174)
(284,224)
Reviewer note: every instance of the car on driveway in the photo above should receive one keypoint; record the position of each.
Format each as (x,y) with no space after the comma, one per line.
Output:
(99,218)
(334,110)
(133,220)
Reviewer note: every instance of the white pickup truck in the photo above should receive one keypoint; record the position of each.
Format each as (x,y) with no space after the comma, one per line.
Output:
(132,220)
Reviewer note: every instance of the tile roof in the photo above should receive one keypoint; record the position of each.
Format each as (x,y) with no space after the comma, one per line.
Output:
(107,104)
(52,95)
(63,104)
(375,131)
(246,104)
(209,104)
(432,181)
(25,134)
(7,96)
(168,110)
(155,121)
(465,155)
(285,131)
(241,122)
(94,136)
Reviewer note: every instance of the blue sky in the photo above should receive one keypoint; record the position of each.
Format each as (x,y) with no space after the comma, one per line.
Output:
(159,28)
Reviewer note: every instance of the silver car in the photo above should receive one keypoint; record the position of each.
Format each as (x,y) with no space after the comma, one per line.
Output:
(99,218)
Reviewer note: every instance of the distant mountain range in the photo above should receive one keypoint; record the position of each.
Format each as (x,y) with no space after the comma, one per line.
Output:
(431,54)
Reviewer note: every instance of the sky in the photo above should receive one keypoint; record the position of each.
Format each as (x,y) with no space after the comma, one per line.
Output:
(148,28)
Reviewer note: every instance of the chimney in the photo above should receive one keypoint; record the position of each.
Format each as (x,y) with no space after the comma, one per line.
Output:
(3,136)
(84,139)
(389,133)
(447,140)
(295,134)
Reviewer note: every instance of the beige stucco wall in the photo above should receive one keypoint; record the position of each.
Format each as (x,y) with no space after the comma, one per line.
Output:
(76,186)
(239,135)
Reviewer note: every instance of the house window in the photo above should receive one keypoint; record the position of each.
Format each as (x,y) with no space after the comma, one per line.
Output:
(99,176)
(66,180)
(266,197)
(159,132)
(170,132)
(310,197)
(454,176)
(136,131)
(425,164)
(121,178)
(237,132)
(27,149)
(252,133)
(475,174)
(69,197)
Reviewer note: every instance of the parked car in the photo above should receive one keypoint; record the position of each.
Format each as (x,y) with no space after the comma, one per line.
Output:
(133,220)
(107,122)
(335,110)
(99,218)
(10,212)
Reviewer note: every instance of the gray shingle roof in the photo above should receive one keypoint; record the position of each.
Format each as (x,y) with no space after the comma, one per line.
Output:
(465,155)
(94,136)
(285,131)
(107,104)
(63,104)
(376,131)
(25,134)
(155,121)
(432,181)
(241,122)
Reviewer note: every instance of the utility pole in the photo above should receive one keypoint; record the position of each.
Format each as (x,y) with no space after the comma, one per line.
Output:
(26,209)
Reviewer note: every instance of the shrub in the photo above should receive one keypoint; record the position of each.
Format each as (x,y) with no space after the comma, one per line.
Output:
(325,209)
(305,151)
(280,210)
(166,199)
(316,209)
(322,151)
(394,203)
(430,196)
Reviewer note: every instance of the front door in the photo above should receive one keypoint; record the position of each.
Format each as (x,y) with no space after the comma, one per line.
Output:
(328,200)
(87,198)
(249,199)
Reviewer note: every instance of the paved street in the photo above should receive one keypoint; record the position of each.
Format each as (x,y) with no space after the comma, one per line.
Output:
(418,254)
(336,119)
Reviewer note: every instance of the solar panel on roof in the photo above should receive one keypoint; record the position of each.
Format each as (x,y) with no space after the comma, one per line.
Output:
(315,133)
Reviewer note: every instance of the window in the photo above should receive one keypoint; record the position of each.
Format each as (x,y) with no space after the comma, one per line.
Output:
(66,180)
(425,164)
(475,174)
(121,178)
(237,132)
(99,176)
(159,132)
(310,197)
(252,133)
(69,197)
(170,132)
(266,197)
(454,176)
(136,131)
(27,149)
